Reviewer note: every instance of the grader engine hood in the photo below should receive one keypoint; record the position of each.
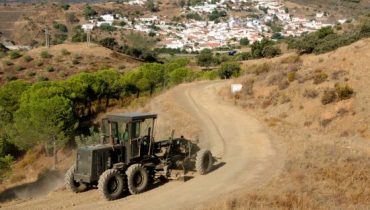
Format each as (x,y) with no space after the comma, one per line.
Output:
(91,162)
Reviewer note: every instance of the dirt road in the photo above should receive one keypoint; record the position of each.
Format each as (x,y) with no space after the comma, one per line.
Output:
(248,159)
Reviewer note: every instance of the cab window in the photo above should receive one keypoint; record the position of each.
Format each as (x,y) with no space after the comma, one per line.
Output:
(135,130)
(114,129)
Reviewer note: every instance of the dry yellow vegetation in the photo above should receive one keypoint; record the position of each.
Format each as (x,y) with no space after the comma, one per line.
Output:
(327,146)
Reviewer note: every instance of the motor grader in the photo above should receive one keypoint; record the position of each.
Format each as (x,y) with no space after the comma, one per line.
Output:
(128,157)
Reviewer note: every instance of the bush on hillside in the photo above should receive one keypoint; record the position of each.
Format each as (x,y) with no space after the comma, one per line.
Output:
(49,69)
(79,35)
(19,68)
(60,27)
(5,163)
(15,54)
(344,91)
(319,78)
(205,58)
(89,12)
(326,40)
(328,97)
(264,48)
(65,52)
(108,42)
(228,70)
(244,41)
(45,54)
(27,58)
(107,27)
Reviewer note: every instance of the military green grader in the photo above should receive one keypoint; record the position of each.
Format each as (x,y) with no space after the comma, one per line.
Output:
(128,157)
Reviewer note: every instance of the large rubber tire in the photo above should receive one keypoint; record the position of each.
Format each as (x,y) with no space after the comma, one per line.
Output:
(203,161)
(71,184)
(111,184)
(137,179)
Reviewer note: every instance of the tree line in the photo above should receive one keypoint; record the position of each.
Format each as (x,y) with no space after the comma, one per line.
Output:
(51,113)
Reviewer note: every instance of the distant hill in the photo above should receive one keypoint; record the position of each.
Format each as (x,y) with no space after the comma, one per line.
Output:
(343,7)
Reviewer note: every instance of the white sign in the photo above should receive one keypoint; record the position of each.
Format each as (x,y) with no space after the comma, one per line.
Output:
(235,88)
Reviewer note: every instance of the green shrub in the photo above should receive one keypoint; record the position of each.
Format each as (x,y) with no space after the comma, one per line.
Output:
(60,27)
(5,163)
(107,27)
(329,96)
(89,12)
(11,77)
(14,54)
(243,56)
(8,63)
(205,58)
(31,73)
(49,69)
(59,39)
(344,91)
(319,78)
(108,42)
(244,41)
(42,78)
(210,75)
(181,75)
(264,48)
(45,54)
(228,70)
(326,40)
(65,52)
(65,6)
(75,62)
(19,68)
(39,63)
(194,16)
(79,35)
(62,74)
(27,58)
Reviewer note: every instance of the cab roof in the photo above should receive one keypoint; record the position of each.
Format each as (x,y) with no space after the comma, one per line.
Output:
(130,116)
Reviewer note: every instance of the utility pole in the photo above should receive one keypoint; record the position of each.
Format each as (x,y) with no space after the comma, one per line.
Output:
(88,37)
(47,41)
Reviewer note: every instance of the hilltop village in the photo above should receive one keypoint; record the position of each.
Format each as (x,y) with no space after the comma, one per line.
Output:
(268,19)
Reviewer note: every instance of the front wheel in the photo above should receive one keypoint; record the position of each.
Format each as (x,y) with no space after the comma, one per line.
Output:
(204,161)
(70,182)
(137,178)
(111,184)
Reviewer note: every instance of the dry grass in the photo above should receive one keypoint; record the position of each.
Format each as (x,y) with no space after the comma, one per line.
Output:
(319,177)
(67,59)
(327,147)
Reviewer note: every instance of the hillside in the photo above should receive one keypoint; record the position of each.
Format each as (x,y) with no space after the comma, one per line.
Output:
(343,8)
(318,106)
(61,61)
(296,137)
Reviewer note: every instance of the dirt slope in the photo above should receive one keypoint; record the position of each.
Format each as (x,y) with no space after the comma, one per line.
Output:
(248,157)
(65,60)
